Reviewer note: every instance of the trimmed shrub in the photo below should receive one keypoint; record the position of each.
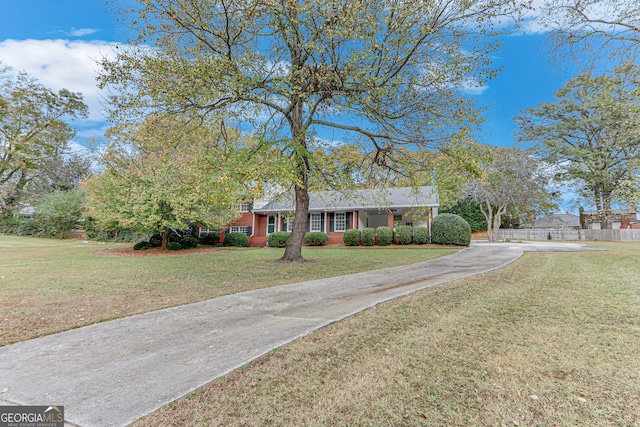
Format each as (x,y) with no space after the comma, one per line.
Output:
(236,239)
(385,235)
(140,246)
(368,236)
(315,238)
(450,229)
(403,235)
(174,246)
(174,237)
(278,239)
(211,239)
(189,242)
(351,237)
(155,240)
(421,235)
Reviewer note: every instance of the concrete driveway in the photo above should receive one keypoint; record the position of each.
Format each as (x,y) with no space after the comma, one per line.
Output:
(112,373)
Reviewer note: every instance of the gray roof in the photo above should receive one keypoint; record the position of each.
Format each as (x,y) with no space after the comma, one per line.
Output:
(376,198)
(558,221)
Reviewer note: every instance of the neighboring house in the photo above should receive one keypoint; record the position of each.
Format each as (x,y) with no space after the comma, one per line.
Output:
(559,221)
(334,212)
(621,220)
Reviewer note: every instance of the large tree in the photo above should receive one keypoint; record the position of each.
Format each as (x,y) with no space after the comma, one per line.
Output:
(591,131)
(515,179)
(389,71)
(33,132)
(594,25)
(164,174)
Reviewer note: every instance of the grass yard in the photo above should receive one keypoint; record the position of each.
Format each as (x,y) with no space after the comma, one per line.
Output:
(48,286)
(551,340)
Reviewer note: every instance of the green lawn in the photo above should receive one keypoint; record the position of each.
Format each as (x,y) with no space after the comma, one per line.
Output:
(550,340)
(48,286)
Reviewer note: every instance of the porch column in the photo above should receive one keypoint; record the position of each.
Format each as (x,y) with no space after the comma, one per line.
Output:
(390,218)
(326,222)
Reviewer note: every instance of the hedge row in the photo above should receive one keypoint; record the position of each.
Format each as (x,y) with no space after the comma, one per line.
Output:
(384,236)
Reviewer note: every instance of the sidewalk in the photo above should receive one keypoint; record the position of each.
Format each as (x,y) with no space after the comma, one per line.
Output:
(112,373)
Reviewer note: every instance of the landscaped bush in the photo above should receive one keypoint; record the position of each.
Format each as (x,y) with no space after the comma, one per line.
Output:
(189,242)
(18,226)
(155,240)
(236,239)
(278,239)
(174,237)
(385,235)
(368,236)
(315,238)
(403,235)
(174,246)
(211,239)
(351,237)
(140,246)
(420,235)
(450,229)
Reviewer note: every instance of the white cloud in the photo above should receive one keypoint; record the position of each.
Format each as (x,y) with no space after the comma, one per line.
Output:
(61,64)
(80,32)
(473,88)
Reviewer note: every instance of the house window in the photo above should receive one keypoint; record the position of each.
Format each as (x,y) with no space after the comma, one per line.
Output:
(239,229)
(245,207)
(340,221)
(315,222)
(204,231)
(290,224)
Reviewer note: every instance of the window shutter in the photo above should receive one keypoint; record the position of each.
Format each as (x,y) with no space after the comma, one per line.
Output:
(332,222)
(322,228)
(250,207)
(248,231)
(347,221)
(309,222)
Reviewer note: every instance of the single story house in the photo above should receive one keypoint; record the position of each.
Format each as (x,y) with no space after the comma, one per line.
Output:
(559,221)
(334,212)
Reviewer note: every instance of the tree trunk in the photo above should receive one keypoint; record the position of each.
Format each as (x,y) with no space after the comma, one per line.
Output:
(606,222)
(488,215)
(165,238)
(293,250)
(603,206)
(497,220)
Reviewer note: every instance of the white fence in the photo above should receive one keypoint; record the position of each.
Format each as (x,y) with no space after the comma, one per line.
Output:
(609,235)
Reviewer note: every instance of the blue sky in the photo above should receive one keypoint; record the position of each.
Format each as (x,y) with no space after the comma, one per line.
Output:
(58,42)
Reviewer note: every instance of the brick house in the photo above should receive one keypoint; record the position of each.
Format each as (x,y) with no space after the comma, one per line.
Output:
(621,219)
(334,212)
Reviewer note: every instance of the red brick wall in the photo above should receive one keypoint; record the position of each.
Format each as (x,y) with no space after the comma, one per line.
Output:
(246,219)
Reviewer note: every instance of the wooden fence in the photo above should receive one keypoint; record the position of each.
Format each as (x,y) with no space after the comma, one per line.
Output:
(608,235)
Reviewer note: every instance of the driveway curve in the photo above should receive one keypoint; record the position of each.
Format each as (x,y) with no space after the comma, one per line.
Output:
(113,373)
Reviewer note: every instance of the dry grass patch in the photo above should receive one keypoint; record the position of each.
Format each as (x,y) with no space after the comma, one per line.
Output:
(48,286)
(549,340)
